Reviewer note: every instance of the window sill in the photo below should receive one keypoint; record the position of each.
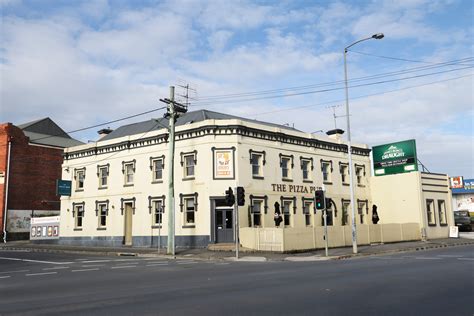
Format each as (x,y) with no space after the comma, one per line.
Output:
(101,228)
(432,225)
(128,185)
(188,226)
(257,177)
(287,180)
(79,190)
(346,184)
(361,186)
(443,225)
(187,179)
(307,181)
(103,188)
(156,181)
(156,226)
(77,229)
(327,182)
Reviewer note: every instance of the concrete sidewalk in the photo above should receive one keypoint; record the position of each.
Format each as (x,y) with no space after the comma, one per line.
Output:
(227,253)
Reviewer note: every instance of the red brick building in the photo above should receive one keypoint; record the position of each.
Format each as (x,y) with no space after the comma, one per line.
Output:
(35,150)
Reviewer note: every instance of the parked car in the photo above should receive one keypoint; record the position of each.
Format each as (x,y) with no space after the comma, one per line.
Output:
(462,219)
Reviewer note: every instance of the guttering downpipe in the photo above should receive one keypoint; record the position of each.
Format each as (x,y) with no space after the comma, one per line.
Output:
(7,178)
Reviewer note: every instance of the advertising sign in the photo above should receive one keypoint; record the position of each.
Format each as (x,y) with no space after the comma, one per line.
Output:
(399,157)
(223,163)
(457,182)
(63,187)
(44,228)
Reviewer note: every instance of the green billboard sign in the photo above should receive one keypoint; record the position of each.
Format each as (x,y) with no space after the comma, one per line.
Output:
(63,187)
(395,158)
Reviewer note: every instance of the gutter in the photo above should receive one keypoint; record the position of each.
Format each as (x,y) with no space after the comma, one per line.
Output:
(7,179)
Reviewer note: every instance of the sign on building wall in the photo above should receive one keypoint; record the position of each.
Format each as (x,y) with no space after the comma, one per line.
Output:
(44,228)
(399,157)
(63,187)
(223,162)
(19,221)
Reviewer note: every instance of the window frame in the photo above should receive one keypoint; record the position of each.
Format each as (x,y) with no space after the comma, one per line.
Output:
(100,175)
(77,178)
(360,177)
(329,165)
(310,165)
(445,222)
(100,215)
(75,214)
(290,166)
(154,212)
(345,218)
(183,162)
(362,216)
(153,169)
(287,215)
(433,211)
(263,210)
(125,165)
(344,177)
(307,211)
(261,163)
(183,198)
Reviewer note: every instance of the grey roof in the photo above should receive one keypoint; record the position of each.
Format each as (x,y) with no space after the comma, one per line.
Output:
(46,132)
(187,118)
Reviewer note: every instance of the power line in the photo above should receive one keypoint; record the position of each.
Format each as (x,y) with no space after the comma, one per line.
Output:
(403,59)
(408,70)
(361,96)
(329,89)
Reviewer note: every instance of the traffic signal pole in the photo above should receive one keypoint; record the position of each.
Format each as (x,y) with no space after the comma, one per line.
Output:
(236,221)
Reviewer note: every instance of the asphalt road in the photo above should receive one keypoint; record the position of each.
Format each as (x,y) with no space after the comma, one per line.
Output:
(435,282)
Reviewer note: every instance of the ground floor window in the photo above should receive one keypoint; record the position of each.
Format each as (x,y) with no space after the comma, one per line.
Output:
(102,210)
(158,209)
(78,214)
(442,212)
(256,213)
(286,208)
(430,212)
(345,213)
(189,207)
(361,211)
(307,207)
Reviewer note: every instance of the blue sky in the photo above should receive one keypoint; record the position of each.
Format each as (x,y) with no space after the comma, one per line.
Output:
(87,62)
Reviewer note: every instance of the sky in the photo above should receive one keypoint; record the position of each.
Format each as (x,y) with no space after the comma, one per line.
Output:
(83,63)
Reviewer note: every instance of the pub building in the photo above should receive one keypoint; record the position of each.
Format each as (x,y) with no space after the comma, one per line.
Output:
(120,187)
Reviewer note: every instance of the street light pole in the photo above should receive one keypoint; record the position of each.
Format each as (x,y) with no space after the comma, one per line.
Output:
(349,148)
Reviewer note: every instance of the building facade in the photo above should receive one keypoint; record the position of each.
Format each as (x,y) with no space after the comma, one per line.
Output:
(31,156)
(120,187)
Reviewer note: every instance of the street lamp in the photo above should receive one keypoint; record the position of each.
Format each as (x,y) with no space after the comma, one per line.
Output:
(349,148)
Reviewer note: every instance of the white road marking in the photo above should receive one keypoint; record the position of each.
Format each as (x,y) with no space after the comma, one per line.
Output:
(465,258)
(43,273)
(56,268)
(428,258)
(37,261)
(449,256)
(162,262)
(193,262)
(121,267)
(126,260)
(15,250)
(4,277)
(150,259)
(95,261)
(83,270)
(222,263)
(16,271)
(157,264)
(82,259)
(93,265)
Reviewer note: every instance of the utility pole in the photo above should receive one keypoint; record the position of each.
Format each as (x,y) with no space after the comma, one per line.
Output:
(172,114)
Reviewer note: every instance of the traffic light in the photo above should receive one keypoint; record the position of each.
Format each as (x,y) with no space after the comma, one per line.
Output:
(229,197)
(320,200)
(240,196)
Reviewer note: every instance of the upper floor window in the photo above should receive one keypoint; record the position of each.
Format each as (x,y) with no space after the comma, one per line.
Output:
(157,164)
(286,164)
(79,176)
(442,212)
(103,174)
(306,167)
(430,212)
(189,161)
(344,169)
(257,160)
(128,169)
(326,169)
(189,207)
(360,173)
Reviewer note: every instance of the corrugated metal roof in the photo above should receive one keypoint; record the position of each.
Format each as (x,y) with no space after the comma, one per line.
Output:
(51,140)
(187,118)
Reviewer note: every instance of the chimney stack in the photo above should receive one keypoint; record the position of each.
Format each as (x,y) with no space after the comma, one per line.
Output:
(104,132)
(335,134)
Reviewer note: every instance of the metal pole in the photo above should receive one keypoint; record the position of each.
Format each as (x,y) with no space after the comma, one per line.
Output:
(349,151)
(236,221)
(170,206)
(325,215)
(7,178)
